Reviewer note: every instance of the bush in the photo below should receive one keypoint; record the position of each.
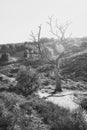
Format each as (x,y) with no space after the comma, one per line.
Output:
(15,116)
(58,118)
(45,68)
(27,81)
(5,57)
(37,114)
(84,103)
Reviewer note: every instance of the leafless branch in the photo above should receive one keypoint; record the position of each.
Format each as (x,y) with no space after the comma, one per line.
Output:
(33,38)
(36,38)
(60,30)
(51,27)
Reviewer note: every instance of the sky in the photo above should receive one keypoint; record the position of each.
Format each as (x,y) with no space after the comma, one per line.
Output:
(19,17)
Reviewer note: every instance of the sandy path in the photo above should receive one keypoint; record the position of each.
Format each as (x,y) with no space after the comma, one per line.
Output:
(64,99)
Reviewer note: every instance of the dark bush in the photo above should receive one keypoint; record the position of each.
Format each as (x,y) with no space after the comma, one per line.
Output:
(15,115)
(37,114)
(5,57)
(27,81)
(84,103)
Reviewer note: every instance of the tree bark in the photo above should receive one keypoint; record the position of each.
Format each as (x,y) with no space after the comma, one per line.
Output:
(57,80)
(57,75)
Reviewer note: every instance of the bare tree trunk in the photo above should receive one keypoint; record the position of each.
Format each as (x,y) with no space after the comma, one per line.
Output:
(57,80)
(57,75)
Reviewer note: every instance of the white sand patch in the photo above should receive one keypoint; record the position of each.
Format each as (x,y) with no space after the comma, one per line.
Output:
(41,94)
(64,99)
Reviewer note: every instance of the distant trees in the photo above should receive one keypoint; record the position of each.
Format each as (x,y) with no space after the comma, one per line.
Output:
(45,39)
(12,49)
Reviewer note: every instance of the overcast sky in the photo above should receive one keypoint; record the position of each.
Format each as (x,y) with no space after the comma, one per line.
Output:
(19,17)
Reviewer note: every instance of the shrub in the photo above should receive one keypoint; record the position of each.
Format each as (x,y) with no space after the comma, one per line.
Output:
(27,81)
(84,103)
(18,117)
(5,57)
(45,68)
(37,114)
(58,118)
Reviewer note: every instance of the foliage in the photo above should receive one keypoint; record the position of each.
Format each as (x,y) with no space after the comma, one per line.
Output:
(45,68)
(83,103)
(27,81)
(15,117)
(5,57)
(45,40)
(84,45)
(26,53)
(33,113)
(56,117)
(75,67)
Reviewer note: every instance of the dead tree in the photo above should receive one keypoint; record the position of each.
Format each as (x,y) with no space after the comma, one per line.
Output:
(59,32)
(55,62)
(36,40)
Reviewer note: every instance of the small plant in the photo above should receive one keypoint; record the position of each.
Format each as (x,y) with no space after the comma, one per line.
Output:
(5,57)
(27,81)
(58,118)
(84,103)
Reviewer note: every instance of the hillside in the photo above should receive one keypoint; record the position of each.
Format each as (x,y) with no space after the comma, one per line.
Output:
(27,86)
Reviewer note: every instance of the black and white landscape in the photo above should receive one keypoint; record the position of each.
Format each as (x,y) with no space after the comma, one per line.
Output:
(43,78)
